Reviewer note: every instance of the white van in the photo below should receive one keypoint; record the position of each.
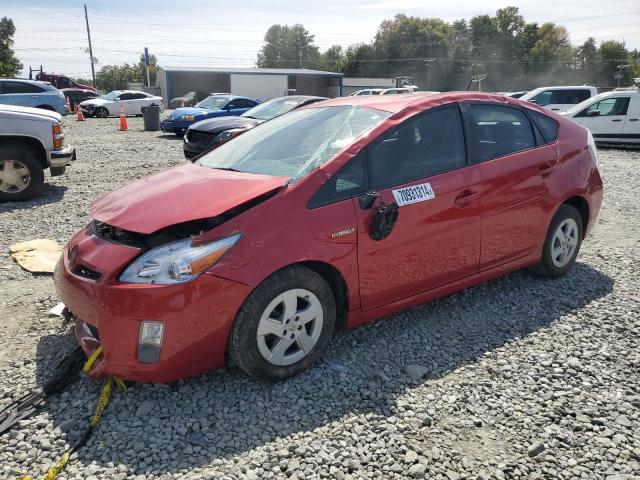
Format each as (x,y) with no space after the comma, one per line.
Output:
(560,99)
(612,117)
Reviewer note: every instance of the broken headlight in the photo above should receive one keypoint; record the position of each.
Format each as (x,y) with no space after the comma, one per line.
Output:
(187,118)
(177,262)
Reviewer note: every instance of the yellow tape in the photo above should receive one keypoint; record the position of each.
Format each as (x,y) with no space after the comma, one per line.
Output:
(103,401)
(91,360)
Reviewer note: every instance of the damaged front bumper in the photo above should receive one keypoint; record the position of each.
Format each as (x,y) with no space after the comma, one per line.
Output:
(197,316)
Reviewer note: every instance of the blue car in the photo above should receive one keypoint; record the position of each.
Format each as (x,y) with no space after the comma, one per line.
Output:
(213,106)
(31,93)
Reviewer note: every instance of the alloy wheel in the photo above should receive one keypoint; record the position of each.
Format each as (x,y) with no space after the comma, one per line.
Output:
(289,327)
(564,243)
(14,176)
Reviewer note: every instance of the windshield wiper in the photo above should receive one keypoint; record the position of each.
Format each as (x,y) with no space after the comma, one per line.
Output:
(228,169)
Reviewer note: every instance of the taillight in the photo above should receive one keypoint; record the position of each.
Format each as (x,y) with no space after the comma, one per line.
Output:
(58,136)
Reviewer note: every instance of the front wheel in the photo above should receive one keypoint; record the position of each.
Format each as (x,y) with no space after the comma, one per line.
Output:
(284,325)
(101,112)
(21,174)
(562,243)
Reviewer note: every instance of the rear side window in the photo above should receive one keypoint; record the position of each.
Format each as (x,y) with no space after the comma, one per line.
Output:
(426,145)
(350,180)
(548,126)
(497,131)
(21,87)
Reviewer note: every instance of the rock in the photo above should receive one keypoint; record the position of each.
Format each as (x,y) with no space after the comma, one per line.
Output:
(417,470)
(145,408)
(410,457)
(415,372)
(535,449)
(623,420)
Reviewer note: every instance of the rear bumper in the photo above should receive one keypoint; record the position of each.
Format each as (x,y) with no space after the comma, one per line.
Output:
(197,315)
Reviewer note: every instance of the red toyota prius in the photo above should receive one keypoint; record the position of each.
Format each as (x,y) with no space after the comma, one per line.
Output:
(328,217)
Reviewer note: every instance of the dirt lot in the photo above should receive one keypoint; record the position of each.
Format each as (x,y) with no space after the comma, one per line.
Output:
(527,378)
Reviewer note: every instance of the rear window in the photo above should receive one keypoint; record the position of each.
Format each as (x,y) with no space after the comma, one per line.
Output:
(548,126)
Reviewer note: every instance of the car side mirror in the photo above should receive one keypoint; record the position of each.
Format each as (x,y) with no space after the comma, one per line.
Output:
(117,99)
(593,113)
(532,101)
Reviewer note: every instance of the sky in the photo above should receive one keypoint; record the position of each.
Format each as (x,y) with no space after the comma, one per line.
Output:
(229,34)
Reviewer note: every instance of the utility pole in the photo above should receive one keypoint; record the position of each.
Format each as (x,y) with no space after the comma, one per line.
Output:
(93,72)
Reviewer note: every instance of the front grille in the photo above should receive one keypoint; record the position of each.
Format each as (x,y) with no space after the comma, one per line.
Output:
(117,235)
(86,272)
(197,136)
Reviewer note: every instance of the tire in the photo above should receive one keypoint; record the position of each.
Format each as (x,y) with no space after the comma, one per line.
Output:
(100,112)
(266,307)
(26,178)
(558,257)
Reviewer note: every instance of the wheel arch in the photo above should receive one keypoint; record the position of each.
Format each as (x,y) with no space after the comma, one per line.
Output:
(580,203)
(46,107)
(32,143)
(338,286)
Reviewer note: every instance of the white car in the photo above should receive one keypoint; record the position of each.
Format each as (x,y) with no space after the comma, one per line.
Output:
(560,99)
(612,117)
(399,90)
(367,91)
(109,104)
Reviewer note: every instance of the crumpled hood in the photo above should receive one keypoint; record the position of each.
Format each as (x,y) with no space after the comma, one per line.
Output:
(178,112)
(180,194)
(216,125)
(96,101)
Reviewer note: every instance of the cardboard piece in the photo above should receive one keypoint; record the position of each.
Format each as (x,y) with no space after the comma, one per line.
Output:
(37,256)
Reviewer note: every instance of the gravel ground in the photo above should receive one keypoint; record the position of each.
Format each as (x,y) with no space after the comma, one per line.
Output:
(518,378)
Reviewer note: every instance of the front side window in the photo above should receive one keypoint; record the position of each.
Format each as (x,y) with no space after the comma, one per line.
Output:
(213,103)
(350,180)
(111,95)
(497,131)
(426,145)
(295,144)
(607,108)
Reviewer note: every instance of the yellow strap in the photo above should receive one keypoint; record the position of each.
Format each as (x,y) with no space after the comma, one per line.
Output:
(91,360)
(57,468)
(103,400)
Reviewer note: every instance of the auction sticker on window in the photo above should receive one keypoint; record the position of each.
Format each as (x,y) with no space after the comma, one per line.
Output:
(414,194)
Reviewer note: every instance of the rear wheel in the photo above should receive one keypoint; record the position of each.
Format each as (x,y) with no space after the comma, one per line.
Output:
(21,174)
(284,325)
(101,112)
(562,244)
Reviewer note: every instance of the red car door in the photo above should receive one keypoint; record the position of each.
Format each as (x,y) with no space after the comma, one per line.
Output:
(515,165)
(420,165)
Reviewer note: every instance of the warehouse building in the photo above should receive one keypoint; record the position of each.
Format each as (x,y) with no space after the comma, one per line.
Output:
(259,83)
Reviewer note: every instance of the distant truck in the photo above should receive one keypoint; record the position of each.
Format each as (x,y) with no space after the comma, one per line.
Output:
(61,81)
(31,141)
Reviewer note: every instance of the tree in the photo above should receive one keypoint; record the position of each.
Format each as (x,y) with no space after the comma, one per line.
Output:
(116,77)
(10,66)
(288,47)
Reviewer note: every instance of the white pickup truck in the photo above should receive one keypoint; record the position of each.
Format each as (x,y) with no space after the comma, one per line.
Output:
(31,140)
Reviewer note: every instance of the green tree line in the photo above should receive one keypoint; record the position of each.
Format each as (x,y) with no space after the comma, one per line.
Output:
(513,53)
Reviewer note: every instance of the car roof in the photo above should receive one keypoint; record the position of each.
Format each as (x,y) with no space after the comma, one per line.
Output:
(39,82)
(234,97)
(420,100)
(566,87)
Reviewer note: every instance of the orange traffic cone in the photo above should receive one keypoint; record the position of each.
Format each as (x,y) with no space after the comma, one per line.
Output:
(66,101)
(80,117)
(123,120)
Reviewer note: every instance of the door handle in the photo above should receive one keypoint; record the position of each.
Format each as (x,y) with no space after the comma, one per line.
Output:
(633,119)
(616,120)
(465,198)
(546,168)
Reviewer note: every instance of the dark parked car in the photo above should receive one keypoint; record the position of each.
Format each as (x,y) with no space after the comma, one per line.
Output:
(206,135)
(77,95)
(189,99)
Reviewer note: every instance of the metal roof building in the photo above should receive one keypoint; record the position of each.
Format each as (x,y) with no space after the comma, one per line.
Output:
(260,83)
